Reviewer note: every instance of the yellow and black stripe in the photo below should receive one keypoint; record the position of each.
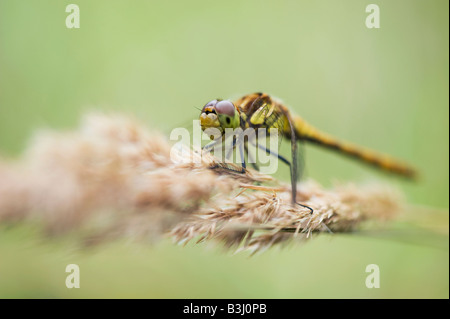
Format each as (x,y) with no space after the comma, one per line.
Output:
(305,131)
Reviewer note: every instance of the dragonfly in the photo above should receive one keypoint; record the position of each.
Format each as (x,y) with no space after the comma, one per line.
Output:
(261,111)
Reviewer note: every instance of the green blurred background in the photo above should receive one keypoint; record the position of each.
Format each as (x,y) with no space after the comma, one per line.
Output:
(383,88)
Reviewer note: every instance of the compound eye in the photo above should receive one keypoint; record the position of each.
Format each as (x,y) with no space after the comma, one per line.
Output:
(225,107)
(209,105)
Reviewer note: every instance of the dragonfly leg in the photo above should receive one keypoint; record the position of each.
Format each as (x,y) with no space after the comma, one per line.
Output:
(250,158)
(241,154)
(209,146)
(294,168)
(294,188)
(230,151)
(311,211)
(281,158)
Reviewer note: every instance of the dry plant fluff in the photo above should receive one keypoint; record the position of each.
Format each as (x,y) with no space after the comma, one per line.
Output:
(113,178)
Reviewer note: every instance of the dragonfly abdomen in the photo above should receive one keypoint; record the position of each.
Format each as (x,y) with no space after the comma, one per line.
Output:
(305,131)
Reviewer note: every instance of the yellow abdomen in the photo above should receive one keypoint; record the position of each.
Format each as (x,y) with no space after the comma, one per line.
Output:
(307,132)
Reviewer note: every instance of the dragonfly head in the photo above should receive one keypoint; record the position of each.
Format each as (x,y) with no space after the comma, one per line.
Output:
(219,114)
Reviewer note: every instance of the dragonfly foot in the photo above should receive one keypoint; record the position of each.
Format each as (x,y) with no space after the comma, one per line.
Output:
(311,211)
(226,168)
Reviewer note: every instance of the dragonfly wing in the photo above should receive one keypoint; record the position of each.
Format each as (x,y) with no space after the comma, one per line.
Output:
(294,152)
(300,160)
